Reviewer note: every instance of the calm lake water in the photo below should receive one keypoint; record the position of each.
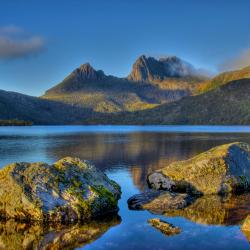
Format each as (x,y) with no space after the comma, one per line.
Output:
(127,154)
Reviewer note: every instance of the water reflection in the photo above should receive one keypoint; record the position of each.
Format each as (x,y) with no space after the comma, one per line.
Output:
(17,235)
(214,210)
(127,158)
(141,153)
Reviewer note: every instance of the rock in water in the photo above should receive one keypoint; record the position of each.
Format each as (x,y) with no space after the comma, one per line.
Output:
(165,227)
(223,169)
(68,190)
(159,201)
(246,227)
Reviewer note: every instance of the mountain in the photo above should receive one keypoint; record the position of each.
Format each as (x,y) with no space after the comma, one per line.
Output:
(227,104)
(92,89)
(39,111)
(224,78)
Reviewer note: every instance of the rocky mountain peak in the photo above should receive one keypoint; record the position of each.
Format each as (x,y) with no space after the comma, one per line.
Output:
(87,72)
(150,69)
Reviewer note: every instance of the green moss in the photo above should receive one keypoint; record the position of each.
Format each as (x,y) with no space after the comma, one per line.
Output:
(103,192)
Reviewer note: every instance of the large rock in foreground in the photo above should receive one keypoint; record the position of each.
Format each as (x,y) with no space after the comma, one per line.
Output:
(68,190)
(223,169)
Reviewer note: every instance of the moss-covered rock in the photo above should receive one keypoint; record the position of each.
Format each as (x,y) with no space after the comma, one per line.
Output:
(223,169)
(68,190)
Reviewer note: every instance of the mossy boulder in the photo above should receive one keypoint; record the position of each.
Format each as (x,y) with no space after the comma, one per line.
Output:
(68,190)
(220,170)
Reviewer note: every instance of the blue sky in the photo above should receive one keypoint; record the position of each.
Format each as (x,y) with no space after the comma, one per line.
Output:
(43,41)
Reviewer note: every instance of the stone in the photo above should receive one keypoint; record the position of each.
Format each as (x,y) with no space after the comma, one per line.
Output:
(165,227)
(159,201)
(220,170)
(68,190)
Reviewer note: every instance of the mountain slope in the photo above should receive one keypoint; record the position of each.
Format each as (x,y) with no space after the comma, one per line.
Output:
(92,89)
(224,78)
(228,104)
(27,108)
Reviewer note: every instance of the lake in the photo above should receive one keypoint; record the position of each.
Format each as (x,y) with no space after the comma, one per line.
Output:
(127,154)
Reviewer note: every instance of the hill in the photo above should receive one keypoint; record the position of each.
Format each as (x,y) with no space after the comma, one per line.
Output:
(228,104)
(224,78)
(15,106)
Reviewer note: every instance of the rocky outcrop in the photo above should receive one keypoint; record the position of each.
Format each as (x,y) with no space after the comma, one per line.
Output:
(159,201)
(68,190)
(21,235)
(223,169)
(246,227)
(165,227)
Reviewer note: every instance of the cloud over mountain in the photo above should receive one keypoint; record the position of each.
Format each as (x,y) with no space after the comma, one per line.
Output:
(16,43)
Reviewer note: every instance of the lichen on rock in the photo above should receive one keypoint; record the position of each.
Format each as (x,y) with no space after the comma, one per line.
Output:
(220,170)
(68,190)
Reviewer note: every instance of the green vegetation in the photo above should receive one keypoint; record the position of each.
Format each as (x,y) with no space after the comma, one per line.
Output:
(228,104)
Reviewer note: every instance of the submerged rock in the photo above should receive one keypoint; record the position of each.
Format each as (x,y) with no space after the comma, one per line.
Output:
(246,227)
(223,169)
(21,235)
(68,190)
(165,227)
(159,201)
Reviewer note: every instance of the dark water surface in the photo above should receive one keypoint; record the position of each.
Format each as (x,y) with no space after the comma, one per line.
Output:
(127,154)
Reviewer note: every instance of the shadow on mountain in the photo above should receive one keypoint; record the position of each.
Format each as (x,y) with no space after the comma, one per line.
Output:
(18,235)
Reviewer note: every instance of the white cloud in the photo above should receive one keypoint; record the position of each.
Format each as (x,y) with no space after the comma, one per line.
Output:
(16,43)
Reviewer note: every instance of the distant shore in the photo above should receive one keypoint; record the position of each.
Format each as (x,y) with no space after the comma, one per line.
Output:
(15,123)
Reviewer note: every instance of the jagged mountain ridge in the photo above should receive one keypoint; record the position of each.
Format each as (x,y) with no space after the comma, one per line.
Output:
(90,88)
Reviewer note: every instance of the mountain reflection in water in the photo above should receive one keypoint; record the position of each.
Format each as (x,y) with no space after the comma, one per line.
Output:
(141,153)
(126,157)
